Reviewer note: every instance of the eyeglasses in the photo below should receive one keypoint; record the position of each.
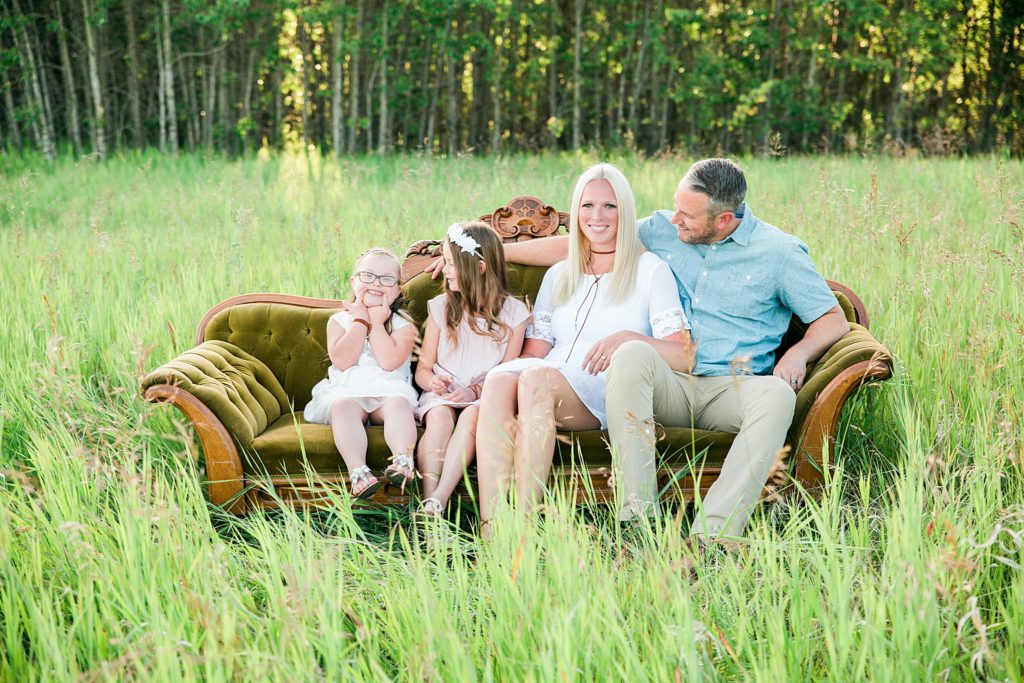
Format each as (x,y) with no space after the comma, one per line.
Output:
(368,278)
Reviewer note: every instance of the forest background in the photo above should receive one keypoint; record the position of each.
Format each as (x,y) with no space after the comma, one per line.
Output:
(498,76)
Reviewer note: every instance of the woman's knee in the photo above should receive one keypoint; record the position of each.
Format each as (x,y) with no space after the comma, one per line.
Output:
(439,419)
(537,385)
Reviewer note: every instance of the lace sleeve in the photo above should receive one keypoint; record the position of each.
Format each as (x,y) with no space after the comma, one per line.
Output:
(668,322)
(666,312)
(540,327)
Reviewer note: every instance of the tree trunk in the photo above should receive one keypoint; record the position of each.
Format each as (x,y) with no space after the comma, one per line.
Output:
(161,90)
(577,53)
(40,127)
(353,81)
(172,112)
(553,74)
(453,99)
(12,122)
(337,83)
(210,87)
(99,138)
(499,88)
(383,130)
(134,100)
(70,94)
(632,124)
(223,108)
(187,78)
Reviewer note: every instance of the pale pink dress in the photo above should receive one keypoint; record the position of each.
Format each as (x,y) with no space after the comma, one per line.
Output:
(468,361)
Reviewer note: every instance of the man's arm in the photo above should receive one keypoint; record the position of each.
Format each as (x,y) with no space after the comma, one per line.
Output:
(819,337)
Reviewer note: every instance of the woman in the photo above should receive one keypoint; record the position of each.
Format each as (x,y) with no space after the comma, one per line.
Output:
(608,291)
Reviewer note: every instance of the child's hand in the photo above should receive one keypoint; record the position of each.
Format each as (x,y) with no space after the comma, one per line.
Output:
(460,394)
(379,314)
(439,384)
(357,308)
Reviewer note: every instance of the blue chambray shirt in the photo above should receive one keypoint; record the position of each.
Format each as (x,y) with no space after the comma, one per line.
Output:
(740,293)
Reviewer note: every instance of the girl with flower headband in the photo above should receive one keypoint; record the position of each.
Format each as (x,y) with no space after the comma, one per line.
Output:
(472,327)
(370,347)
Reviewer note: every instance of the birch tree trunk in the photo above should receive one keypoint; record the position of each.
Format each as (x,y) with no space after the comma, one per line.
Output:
(383,132)
(577,52)
(172,112)
(338,83)
(161,91)
(99,137)
(12,122)
(452,123)
(41,127)
(632,123)
(353,81)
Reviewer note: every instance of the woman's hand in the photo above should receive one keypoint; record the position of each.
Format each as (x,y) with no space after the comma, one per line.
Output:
(599,357)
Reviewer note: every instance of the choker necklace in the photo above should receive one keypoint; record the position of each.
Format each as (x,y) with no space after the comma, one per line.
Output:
(602,252)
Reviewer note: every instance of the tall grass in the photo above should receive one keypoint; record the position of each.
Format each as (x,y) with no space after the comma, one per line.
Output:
(112,565)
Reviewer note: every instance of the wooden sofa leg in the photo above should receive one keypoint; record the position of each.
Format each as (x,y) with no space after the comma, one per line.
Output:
(223,464)
(822,420)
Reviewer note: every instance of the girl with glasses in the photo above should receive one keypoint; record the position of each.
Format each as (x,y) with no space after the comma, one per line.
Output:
(370,346)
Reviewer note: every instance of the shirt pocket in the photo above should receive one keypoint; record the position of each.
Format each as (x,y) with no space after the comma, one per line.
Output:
(747,295)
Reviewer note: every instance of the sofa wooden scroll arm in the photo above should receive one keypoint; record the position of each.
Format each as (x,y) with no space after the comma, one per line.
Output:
(819,427)
(223,463)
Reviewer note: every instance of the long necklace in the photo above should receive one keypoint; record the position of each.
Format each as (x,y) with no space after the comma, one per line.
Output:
(593,288)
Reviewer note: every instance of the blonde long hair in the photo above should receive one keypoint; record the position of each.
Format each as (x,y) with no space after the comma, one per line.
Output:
(628,247)
(481,296)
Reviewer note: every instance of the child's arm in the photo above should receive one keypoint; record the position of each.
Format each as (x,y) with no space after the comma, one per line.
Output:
(390,350)
(345,346)
(515,343)
(425,377)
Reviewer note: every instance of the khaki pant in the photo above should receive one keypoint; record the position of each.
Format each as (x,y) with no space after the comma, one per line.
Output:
(643,389)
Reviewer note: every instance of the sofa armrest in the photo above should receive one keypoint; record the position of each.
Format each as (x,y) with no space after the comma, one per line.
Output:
(229,397)
(852,361)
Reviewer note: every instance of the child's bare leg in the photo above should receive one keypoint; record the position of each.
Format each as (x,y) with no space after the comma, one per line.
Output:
(438,424)
(495,441)
(459,454)
(547,401)
(399,428)
(347,419)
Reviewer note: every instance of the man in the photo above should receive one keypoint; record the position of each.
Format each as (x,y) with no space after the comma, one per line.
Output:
(740,281)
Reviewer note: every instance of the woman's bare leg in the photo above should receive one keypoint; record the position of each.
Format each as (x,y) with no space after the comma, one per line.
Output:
(347,420)
(495,441)
(546,402)
(438,424)
(459,454)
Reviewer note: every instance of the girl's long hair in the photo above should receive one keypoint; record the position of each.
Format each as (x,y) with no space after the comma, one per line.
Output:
(628,247)
(481,296)
(398,305)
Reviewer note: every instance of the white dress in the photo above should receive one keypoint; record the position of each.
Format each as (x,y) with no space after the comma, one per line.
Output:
(366,381)
(652,309)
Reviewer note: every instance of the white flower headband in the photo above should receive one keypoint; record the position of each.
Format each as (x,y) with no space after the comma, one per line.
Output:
(458,236)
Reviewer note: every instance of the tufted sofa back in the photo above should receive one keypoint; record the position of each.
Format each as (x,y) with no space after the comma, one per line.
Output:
(289,333)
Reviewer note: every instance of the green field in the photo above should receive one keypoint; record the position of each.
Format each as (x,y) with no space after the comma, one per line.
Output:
(112,565)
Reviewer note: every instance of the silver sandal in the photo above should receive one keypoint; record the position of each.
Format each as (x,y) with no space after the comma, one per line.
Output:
(431,507)
(393,473)
(361,474)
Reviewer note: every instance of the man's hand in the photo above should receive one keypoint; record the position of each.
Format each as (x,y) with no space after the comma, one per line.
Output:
(791,368)
(600,354)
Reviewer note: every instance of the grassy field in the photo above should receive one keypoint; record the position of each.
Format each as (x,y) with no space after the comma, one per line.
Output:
(112,565)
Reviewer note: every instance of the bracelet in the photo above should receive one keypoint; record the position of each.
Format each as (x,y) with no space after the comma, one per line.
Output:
(363,322)
(476,389)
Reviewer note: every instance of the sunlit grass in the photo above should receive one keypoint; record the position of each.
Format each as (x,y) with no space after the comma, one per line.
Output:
(113,566)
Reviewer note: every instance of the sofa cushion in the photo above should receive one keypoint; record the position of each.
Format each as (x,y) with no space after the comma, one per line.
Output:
(274,451)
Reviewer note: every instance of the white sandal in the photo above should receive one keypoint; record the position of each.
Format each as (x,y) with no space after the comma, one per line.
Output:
(431,507)
(361,474)
(394,471)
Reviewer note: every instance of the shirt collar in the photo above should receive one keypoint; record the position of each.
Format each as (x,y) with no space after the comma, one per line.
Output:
(741,235)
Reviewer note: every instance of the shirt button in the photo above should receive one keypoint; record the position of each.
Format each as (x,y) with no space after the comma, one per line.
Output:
(697,300)
(704,274)
(714,246)
(669,257)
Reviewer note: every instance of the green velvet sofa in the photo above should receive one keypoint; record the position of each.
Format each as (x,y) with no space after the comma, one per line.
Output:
(257,357)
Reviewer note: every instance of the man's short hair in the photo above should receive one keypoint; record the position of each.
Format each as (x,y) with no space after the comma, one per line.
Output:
(722,180)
